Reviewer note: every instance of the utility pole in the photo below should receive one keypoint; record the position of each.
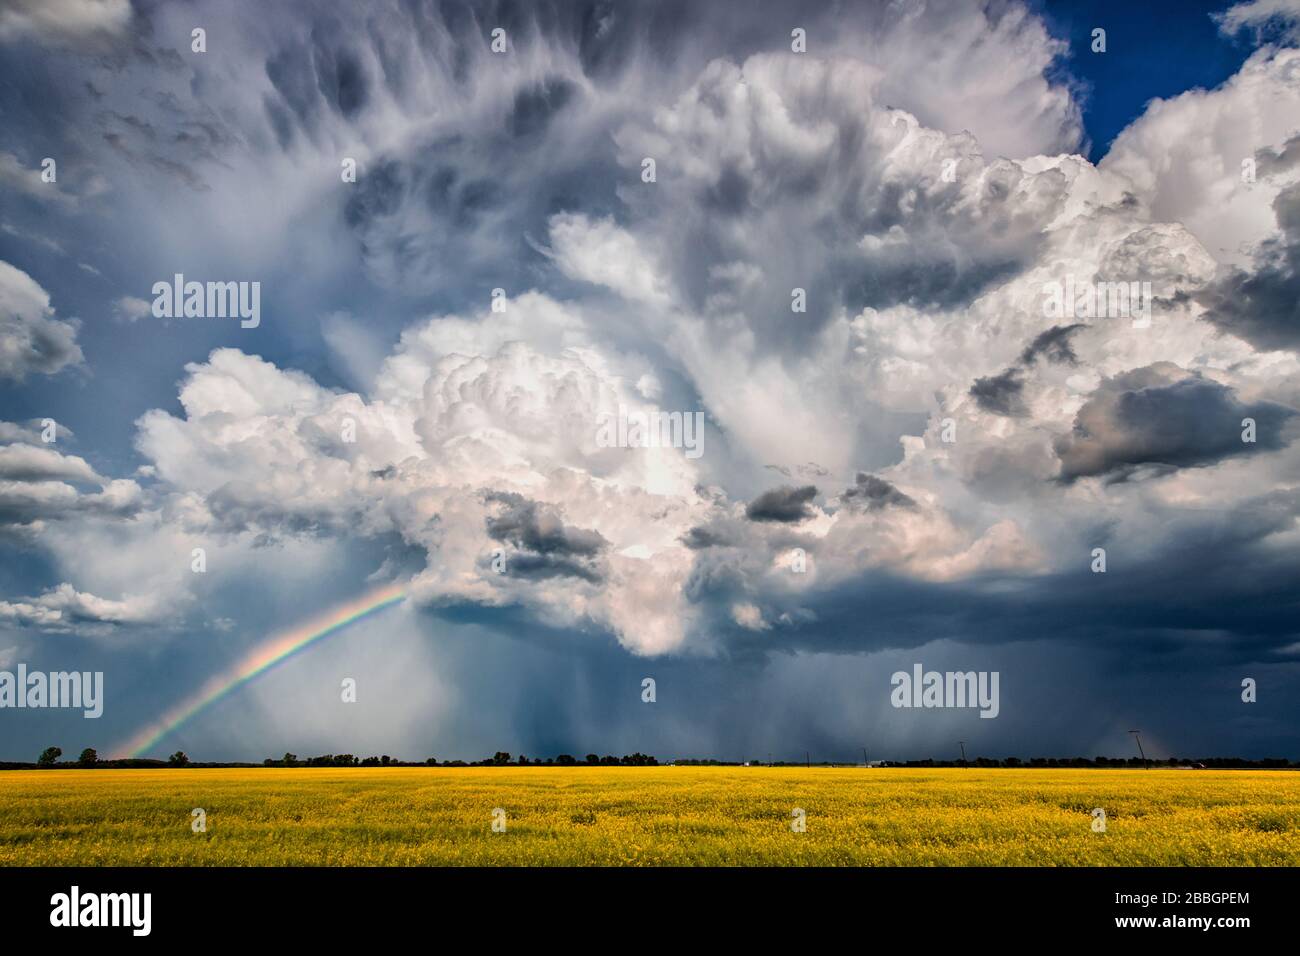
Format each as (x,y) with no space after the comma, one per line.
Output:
(962,744)
(864,757)
(1136,737)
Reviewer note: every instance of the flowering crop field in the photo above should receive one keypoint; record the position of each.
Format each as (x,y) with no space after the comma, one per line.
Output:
(649,816)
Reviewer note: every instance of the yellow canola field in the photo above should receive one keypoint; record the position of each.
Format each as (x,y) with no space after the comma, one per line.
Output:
(643,816)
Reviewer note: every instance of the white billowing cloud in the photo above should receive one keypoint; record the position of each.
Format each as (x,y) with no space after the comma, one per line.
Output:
(454,442)
(265,446)
(64,608)
(814,187)
(39,485)
(781,175)
(75,605)
(28,505)
(976,67)
(1184,156)
(24,462)
(28,614)
(28,433)
(525,423)
(602,253)
(32,341)
(534,319)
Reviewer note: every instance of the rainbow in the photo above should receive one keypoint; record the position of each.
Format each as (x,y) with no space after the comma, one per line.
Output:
(276,649)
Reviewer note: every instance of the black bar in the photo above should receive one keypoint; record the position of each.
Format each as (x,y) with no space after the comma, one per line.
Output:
(328,905)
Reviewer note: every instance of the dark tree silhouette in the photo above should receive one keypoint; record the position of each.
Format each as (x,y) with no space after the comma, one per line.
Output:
(48,756)
(88,757)
(178,759)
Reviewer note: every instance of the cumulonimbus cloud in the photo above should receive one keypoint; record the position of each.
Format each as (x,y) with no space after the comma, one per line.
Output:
(841,259)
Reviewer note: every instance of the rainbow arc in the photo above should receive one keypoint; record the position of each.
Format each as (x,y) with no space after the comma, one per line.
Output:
(262,658)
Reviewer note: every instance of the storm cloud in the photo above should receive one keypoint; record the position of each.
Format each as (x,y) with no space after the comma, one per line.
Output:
(1262,304)
(1164,417)
(874,493)
(786,504)
(837,257)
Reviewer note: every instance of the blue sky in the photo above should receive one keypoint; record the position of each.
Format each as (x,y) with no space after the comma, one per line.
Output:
(937,453)
(1156,49)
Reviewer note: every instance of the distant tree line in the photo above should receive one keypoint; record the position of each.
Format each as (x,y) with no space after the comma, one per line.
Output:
(49,758)
(500,759)
(1201,763)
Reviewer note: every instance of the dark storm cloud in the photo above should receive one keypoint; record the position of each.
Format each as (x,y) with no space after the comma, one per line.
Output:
(548,547)
(456,204)
(1001,394)
(290,74)
(951,254)
(875,494)
(1246,590)
(484,164)
(1262,304)
(786,504)
(460,199)
(535,106)
(1269,162)
(341,78)
(1053,345)
(378,194)
(1162,417)
(890,244)
(322,73)
(539,567)
(701,537)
